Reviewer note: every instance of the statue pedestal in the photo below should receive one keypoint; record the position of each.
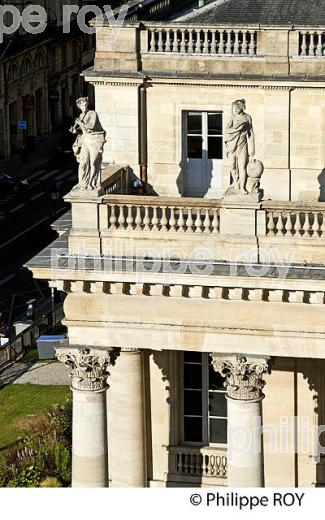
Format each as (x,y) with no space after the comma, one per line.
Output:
(233,195)
(242,218)
(79,191)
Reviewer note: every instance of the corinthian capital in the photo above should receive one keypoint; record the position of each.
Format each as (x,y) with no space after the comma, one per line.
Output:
(243,375)
(88,367)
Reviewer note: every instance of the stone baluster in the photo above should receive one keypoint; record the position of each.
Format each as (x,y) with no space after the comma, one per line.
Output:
(316,225)
(205,49)
(289,226)
(215,222)
(179,462)
(164,219)
(168,47)
(244,383)
(160,47)
(129,220)
(207,223)
(198,221)
(155,220)
(172,220)
(236,42)
(138,218)
(306,227)
(213,42)
(251,48)
(270,224)
(89,383)
(227,40)
(297,225)
(189,220)
(183,40)
(113,217)
(304,44)
(175,42)
(121,218)
(191,48)
(318,43)
(150,40)
(280,224)
(146,219)
(181,221)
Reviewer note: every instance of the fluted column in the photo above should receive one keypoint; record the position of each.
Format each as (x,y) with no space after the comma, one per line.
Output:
(126,438)
(89,373)
(244,382)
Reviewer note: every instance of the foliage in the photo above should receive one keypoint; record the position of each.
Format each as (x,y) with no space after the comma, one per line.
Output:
(50,482)
(41,454)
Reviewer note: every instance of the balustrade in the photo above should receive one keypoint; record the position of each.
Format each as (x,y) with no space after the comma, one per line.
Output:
(203,462)
(295,223)
(239,42)
(155,215)
(311,43)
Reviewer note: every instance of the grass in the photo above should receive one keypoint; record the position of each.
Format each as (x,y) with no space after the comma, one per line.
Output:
(32,357)
(22,405)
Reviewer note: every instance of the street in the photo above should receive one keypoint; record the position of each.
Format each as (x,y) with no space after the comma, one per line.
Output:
(25,220)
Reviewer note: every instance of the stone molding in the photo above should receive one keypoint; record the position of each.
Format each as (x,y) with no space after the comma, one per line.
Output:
(244,375)
(221,292)
(88,367)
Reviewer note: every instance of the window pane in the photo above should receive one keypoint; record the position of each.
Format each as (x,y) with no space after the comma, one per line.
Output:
(218,431)
(194,357)
(194,123)
(192,429)
(192,376)
(216,381)
(215,124)
(217,404)
(215,148)
(192,402)
(194,147)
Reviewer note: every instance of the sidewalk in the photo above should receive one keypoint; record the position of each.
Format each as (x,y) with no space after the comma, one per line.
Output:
(45,150)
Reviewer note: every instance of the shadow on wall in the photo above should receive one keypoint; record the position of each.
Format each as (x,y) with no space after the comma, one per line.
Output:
(194,178)
(321,180)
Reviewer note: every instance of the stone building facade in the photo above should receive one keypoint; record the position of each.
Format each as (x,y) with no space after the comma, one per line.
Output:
(196,321)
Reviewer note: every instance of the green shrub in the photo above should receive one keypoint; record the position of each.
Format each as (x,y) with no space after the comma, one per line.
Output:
(50,482)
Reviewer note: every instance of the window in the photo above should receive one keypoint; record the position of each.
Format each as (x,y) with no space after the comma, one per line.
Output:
(26,67)
(204,135)
(13,73)
(204,401)
(39,61)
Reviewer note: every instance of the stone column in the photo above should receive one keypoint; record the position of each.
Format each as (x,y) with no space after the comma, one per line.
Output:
(89,373)
(126,418)
(244,382)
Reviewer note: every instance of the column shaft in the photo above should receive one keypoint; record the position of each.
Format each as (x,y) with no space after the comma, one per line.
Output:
(126,432)
(89,439)
(245,447)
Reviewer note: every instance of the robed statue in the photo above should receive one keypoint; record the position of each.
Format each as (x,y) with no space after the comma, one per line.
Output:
(88,147)
(240,145)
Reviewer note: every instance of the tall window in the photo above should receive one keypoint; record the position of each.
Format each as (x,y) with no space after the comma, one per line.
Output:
(204,401)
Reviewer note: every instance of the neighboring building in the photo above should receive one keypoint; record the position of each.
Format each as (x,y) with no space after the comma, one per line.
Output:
(40,74)
(164,93)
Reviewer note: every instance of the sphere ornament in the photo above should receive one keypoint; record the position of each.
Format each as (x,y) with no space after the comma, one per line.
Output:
(255,169)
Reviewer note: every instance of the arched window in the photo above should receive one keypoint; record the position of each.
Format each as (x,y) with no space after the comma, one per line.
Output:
(12,73)
(26,67)
(39,61)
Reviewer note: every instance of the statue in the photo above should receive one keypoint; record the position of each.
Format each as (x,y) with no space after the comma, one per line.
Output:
(88,147)
(240,145)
